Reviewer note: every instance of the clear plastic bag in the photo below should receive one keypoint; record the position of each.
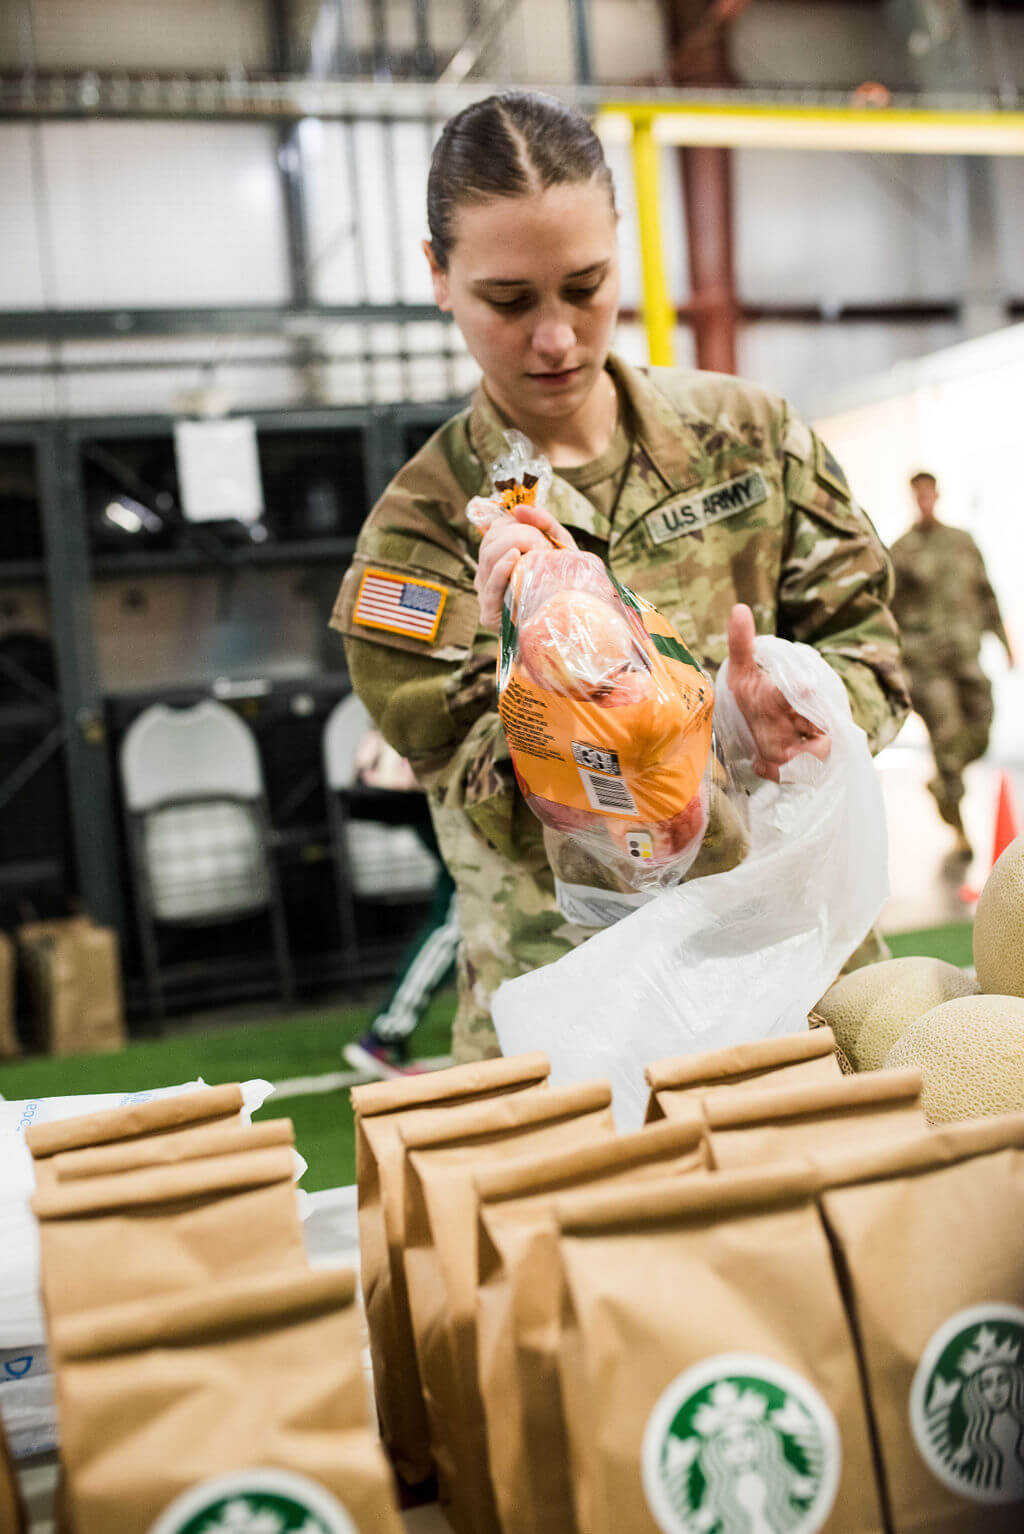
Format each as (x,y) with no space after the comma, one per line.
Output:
(739,955)
(607,714)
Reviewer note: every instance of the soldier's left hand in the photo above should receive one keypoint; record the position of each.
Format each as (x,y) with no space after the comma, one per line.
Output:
(779,731)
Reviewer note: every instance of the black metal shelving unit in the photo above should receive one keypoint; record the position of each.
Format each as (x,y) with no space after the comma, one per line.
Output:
(55,549)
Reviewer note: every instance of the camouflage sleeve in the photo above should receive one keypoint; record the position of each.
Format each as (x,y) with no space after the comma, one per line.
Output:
(434,702)
(835,585)
(991,618)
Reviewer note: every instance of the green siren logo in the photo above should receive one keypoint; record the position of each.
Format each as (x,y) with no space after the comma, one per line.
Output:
(967,1403)
(740,1444)
(255,1502)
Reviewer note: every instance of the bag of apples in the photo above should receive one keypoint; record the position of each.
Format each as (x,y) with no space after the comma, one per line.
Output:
(608,717)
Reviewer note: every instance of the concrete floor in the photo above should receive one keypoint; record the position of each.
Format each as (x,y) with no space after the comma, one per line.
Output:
(924,887)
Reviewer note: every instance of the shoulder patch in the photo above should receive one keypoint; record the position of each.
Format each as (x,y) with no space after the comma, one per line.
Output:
(399,604)
(828,471)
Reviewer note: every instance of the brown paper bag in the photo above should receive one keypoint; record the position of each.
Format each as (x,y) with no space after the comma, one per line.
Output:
(9,1045)
(380,1109)
(204,1107)
(752,1125)
(74,973)
(519,1298)
(788,1061)
(708,1371)
(12,1514)
(240,1406)
(441,1265)
(930,1239)
(135,1234)
(191,1144)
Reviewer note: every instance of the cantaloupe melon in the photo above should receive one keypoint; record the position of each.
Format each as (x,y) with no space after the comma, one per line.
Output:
(870,1008)
(971,1055)
(999,925)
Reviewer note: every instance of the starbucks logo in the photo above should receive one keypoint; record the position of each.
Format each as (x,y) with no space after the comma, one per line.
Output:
(255,1502)
(740,1444)
(967,1403)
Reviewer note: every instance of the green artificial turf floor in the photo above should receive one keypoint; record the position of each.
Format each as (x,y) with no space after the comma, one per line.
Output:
(308,1044)
(305,1045)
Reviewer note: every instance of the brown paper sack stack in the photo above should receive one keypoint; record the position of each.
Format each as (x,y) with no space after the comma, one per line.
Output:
(243,1401)
(441,1265)
(792,1060)
(519,1300)
(144,1233)
(12,1516)
(708,1371)
(930,1241)
(193,1144)
(129,1126)
(74,971)
(380,1110)
(752,1125)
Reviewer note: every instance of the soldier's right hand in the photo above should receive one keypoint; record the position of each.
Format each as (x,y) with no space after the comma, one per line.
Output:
(503,545)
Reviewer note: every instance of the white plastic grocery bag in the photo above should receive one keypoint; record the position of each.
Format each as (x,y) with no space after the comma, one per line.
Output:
(29,1415)
(739,955)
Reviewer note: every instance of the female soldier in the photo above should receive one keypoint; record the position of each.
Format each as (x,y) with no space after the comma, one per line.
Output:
(700,491)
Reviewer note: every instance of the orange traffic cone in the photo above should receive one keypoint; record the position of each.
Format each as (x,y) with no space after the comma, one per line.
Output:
(1007,829)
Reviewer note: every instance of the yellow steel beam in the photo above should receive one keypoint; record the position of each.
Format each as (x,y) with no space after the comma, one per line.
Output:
(659,316)
(764,125)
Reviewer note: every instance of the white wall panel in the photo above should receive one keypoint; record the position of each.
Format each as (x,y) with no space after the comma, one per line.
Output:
(627,38)
(1009,192)
(165,213)
(160,391)
(22,282)
(799,44)
(133,34)
(332,228)
(631,343)
(672,225)
(23,395)
(788,42)
(805,363)
(413,143)
(378,215)
(854,228)
(958,415)
(542,36)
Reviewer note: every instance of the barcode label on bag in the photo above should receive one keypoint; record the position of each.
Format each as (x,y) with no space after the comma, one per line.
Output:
(609,795)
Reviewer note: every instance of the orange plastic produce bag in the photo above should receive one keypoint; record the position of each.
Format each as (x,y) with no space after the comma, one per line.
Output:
(607,714)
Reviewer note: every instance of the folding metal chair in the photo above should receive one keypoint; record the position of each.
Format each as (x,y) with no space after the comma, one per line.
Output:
(198,831)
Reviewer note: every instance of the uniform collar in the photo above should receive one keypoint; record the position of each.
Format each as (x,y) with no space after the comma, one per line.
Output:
(569,505)
(658,426)
(655,424)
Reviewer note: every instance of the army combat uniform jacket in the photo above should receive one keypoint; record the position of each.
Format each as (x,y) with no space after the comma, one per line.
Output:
(726,497)
(944,604)
(943,600)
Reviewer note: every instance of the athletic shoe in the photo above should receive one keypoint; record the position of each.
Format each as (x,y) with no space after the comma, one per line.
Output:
(384,1060)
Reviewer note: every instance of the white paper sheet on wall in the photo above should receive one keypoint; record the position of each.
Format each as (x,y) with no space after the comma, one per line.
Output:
(219,470)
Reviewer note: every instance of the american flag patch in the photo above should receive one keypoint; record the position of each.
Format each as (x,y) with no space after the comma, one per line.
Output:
(399,605)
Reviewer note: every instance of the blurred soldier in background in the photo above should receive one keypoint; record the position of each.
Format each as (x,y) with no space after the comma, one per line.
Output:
(429,962)
(944,604)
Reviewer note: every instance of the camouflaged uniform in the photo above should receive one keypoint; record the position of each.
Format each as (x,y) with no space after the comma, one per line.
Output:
(726,497)
(944,603)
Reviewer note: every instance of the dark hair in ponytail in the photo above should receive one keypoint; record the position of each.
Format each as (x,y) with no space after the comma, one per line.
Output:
(508,146)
